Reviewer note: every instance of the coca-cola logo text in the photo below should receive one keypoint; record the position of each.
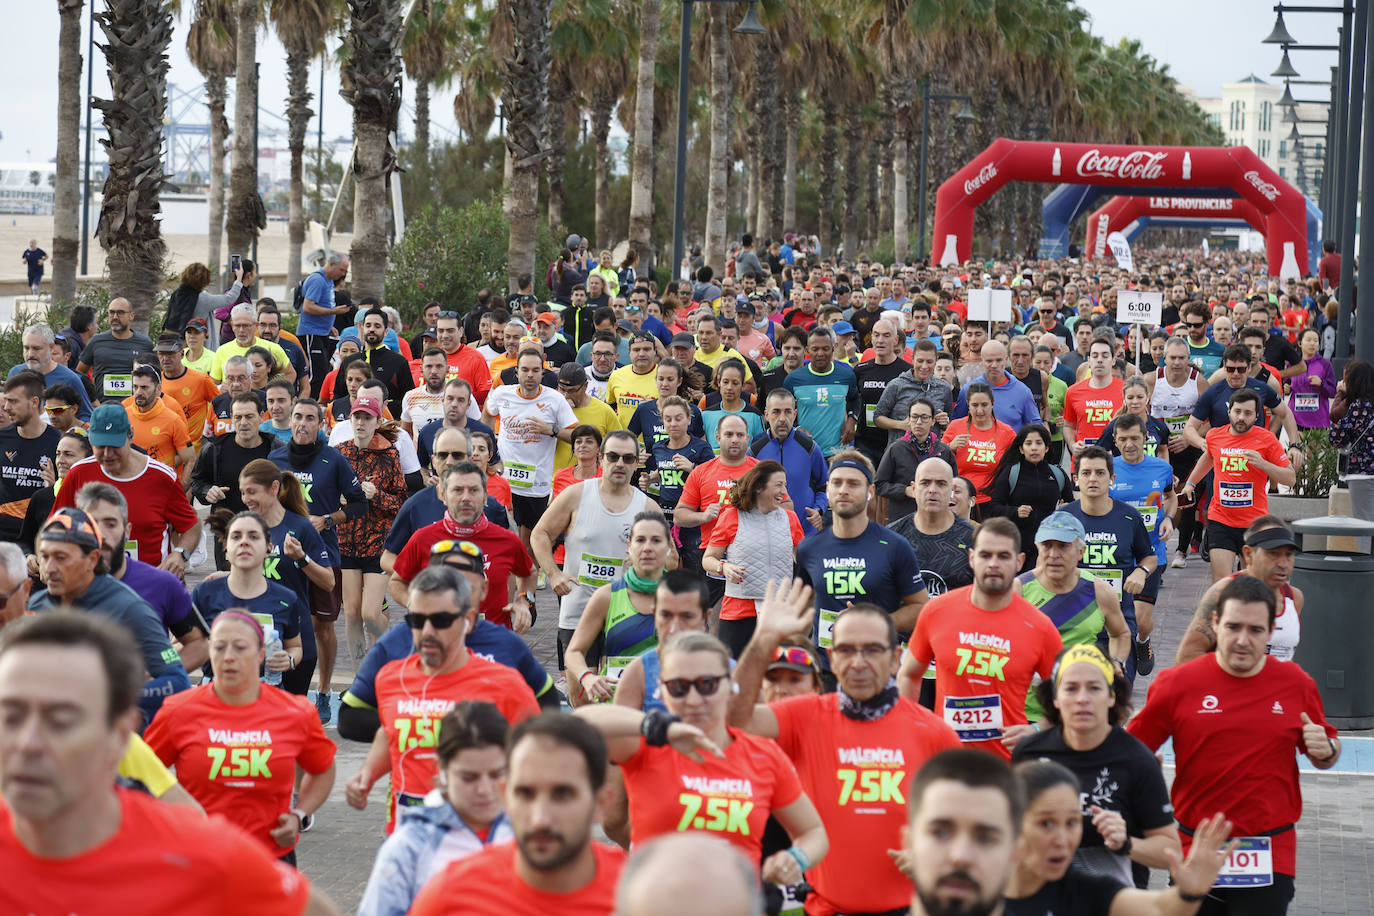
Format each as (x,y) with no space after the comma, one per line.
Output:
(1268,190)
(1138,165)
(985,174)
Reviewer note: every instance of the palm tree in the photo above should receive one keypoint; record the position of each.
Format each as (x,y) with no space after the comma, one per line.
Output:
(137,35)
(718,176)
(210,45)
(642,156)
(765,133)
(602,75)
(523,27)
(429,38)
(66,188)
(301,25)
(372,85)
(247,215)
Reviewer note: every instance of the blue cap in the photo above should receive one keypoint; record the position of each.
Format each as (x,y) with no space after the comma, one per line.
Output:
(1060,526)
(842,327)
(109,426)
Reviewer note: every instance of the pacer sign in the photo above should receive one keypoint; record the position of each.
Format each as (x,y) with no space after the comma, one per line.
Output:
(1136,307)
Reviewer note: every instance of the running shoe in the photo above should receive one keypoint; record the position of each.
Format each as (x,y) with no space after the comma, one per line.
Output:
(1144,657)
(1180,561)
(322,706)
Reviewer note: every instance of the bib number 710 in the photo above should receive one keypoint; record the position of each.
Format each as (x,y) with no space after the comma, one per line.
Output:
(723,815)
(988,664)
(872,786)
(243,761)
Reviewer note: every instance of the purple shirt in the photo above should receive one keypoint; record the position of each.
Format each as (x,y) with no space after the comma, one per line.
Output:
(160,589)
(1311,403)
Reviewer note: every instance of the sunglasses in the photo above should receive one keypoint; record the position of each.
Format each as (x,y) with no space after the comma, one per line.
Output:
(1236,370)
(57,409)
(616,457)
(450,546)
(1196,324)
(448,314)
(706,686)
(441,621)
(444,456)
(793,655)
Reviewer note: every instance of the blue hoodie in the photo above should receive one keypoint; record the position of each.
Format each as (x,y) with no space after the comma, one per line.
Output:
(806,469)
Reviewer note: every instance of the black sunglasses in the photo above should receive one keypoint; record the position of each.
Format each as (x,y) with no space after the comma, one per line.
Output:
(678,687)
(621,458)
(441,621)
(444,456)
(1197,324)
(1231,370)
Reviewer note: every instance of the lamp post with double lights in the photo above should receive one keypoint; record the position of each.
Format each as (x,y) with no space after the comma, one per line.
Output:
(966,117)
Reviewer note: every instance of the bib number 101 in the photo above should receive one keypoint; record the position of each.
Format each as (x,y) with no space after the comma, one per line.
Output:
(722,815)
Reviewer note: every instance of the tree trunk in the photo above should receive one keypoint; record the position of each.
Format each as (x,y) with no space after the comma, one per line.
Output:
(422,130)
(66,222)
(825,190)
(765,123)
(298,116)
(718,175)
(525,96)
(852,130)
(751,199)
(602,107)
(246,212)
(777,134)
(556,164)
(792,118)
(901,222)
(368,252)
(873,225)
(217,92)
(642,157)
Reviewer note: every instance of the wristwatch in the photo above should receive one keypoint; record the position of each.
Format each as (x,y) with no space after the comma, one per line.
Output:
(185,555)
(300,816)
(329,521)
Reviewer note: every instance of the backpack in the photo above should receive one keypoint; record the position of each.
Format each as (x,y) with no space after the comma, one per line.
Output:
(181,308)
(298,297)
(1058,473)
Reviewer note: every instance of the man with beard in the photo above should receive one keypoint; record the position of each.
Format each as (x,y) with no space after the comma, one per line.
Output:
(38,343)
(465,495)
(415,693)
(799,456)
(457,397)
(827,394)
(425,404)
(963,820)
(876,736)
(163,591)
(29,445)
(159,430)
(555,793)
(156,499)
(855,559)
(109,356)
(1244,457)
(987,644)
(388,366)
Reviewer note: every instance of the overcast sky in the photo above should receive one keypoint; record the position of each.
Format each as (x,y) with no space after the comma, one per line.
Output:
(1204,43)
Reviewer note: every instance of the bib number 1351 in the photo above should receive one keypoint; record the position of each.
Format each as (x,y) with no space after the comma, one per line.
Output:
(722,815)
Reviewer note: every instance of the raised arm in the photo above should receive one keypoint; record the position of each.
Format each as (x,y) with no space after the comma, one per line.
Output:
(785,609)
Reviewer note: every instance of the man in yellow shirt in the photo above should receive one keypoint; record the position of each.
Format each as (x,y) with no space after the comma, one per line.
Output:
(629,386)
(243,320)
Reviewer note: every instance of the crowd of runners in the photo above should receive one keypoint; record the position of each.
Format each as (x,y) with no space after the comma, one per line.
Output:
(852,592)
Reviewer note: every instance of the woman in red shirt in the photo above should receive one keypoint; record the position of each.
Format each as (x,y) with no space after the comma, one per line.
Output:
(236,742)
(712,778)
(979,440)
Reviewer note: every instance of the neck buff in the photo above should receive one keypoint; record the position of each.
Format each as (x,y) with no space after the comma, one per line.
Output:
(638,583)
(300,456)
(465,531)
(872,709)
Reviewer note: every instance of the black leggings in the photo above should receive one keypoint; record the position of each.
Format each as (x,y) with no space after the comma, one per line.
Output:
(297,680)
(1250,901)
(736,634)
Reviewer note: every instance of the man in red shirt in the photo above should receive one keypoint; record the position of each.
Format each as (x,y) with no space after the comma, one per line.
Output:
(464,488)
(1245,458)
(1091,405)
(706,487)
(854,750)
(71,841)
(464,362)
(987,644)
(156,500)
(1329,267)
(1237,718)
(415,693)
(555,793)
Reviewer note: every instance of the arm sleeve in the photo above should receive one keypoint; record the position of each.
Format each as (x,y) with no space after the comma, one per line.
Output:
(391,886)
(1271,397)
(999,499)
(1151,726)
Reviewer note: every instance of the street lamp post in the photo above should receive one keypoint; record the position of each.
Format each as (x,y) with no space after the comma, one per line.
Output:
(965,115)
(749,25)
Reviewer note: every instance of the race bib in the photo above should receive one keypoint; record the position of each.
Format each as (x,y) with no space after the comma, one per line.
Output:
(118,386)
(264,620)
(597,571)
(975,718)
(1149,515)
(825,630)
(1236,495)
(1176,424)
(519,475)
(1112,577)
(869,410)
(1250,864)
(1306,402)
(614,666)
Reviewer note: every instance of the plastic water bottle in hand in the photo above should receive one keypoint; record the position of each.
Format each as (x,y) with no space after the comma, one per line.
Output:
(273,644)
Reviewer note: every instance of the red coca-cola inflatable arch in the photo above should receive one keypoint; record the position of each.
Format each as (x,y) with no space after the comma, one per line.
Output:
(1173,170)
(1119,212)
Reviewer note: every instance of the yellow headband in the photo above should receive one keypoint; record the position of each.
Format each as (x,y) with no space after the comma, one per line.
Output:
(1085,653)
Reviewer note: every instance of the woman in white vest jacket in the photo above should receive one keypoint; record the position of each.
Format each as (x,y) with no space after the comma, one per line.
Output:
(754,541)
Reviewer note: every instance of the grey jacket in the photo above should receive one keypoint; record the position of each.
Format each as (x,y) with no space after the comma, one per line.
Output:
(902,391)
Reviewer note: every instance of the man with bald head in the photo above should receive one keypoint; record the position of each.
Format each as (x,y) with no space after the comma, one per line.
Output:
(682,874)
(110,354)
(1012,402)
(873,376)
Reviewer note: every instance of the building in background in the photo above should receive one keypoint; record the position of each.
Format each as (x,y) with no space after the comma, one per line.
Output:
(1248,113)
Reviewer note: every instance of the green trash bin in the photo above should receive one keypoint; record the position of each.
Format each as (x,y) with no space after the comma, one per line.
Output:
(1337,643)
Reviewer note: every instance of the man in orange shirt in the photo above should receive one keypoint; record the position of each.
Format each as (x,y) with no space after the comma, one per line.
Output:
(855,750)
(555,793)
(71,841)
(191,388)
(464,362)
(1090,405)
(987,644)
(159,428)
(415,693)
(706,487)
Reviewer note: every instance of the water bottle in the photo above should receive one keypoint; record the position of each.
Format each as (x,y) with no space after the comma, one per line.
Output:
(273,644)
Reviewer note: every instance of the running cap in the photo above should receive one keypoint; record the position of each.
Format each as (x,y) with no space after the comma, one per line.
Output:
(1060,526)
(109,425)
(572,374)
(168,342)
(71,526)
(841,328)
(1271,538)
(367,404)
(683,339)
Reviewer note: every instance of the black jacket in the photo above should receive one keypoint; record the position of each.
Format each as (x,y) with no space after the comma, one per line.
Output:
(392,369)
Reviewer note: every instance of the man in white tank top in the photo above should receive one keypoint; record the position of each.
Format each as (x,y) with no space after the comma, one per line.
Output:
(594,518)
(1174,389)
(1268,556)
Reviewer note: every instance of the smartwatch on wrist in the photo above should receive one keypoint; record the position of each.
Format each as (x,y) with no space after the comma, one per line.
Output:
(185,555)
